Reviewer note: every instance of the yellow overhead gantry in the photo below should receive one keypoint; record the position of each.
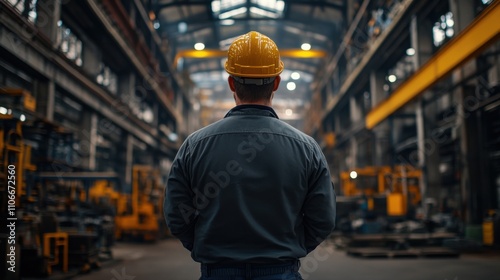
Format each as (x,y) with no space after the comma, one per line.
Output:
(480,34)
(295,53)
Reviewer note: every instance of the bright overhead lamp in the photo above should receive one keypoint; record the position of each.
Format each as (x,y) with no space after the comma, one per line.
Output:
(295,76)
(353,174)
(156,24)
(305,46)
(227,22)
(392,78)
(288,112)
(410,51)
(291,86)
(199,46)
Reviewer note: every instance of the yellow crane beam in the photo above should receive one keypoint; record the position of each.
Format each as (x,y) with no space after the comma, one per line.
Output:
(480,34)
(295,53)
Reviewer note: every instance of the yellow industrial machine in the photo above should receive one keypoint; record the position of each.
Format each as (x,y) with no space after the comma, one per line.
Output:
(103,192)
(142,216)
(398,184)
(13,151)
(56,226)
(51,247)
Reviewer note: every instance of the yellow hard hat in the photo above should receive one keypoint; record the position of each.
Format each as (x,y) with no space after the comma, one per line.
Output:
(253,55)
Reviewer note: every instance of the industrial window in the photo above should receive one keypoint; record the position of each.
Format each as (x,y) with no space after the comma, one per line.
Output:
(139,106)
(443,29)
(226,9)
(146,113)
(107,78)
(69,44)
(27,8)
(403,69)
(68,111)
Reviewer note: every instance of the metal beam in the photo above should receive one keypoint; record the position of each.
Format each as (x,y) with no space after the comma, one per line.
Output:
(110,27)
(294,53)
(161,6)
(480,34)
(325,4)
(69,175)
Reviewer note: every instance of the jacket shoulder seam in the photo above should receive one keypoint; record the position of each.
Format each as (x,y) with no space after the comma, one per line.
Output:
(195,142)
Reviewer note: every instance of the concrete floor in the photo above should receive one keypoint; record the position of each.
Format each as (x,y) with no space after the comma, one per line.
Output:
(169,261)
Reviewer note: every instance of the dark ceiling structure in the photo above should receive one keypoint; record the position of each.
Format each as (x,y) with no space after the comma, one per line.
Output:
(215,24)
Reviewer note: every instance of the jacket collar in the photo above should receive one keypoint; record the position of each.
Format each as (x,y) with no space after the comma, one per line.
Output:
(252,109)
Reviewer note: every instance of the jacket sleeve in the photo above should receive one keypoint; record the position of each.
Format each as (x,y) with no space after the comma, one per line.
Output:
(178,208)
(319,205)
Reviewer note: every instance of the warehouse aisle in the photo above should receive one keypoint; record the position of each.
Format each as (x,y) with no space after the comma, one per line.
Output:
(169,261)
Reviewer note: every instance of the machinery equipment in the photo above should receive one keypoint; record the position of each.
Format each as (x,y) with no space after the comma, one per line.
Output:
(56,226)
(67,218)
(88,223)
(398,186)
(377,214)
(142,217)
(15,161)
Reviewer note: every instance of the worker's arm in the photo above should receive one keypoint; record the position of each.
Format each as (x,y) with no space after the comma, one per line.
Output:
(319,205)
(178,208)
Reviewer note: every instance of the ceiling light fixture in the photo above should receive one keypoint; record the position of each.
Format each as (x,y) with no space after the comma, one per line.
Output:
(233,13)
(291,86)
(199,46)
(392,78)
(295,76)
(410,51)
(182,27)
(227,22)
(305,46)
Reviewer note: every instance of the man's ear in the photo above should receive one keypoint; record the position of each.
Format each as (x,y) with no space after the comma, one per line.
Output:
(230,81)
(276,83)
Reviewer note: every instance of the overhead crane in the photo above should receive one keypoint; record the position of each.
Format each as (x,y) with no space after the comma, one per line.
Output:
(479,35)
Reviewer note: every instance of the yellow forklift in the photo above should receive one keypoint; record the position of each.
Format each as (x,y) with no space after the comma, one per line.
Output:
(142,216)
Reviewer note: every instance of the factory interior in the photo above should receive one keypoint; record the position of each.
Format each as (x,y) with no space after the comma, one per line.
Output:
(97,97)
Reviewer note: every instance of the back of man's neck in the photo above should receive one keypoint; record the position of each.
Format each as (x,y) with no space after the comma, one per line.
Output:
(262,103)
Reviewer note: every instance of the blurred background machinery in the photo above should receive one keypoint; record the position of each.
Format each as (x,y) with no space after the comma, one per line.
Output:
(68,218)
(143,217)
(403,96)
(380,214)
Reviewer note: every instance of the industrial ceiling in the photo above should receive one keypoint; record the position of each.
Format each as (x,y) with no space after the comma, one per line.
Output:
(292,24)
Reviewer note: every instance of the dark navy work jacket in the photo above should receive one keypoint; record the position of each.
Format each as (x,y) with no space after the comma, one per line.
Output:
(249,188)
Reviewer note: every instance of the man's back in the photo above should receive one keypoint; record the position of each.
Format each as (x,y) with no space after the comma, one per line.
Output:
(259,190)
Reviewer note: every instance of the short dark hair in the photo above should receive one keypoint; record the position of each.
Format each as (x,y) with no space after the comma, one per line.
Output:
(252,93)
